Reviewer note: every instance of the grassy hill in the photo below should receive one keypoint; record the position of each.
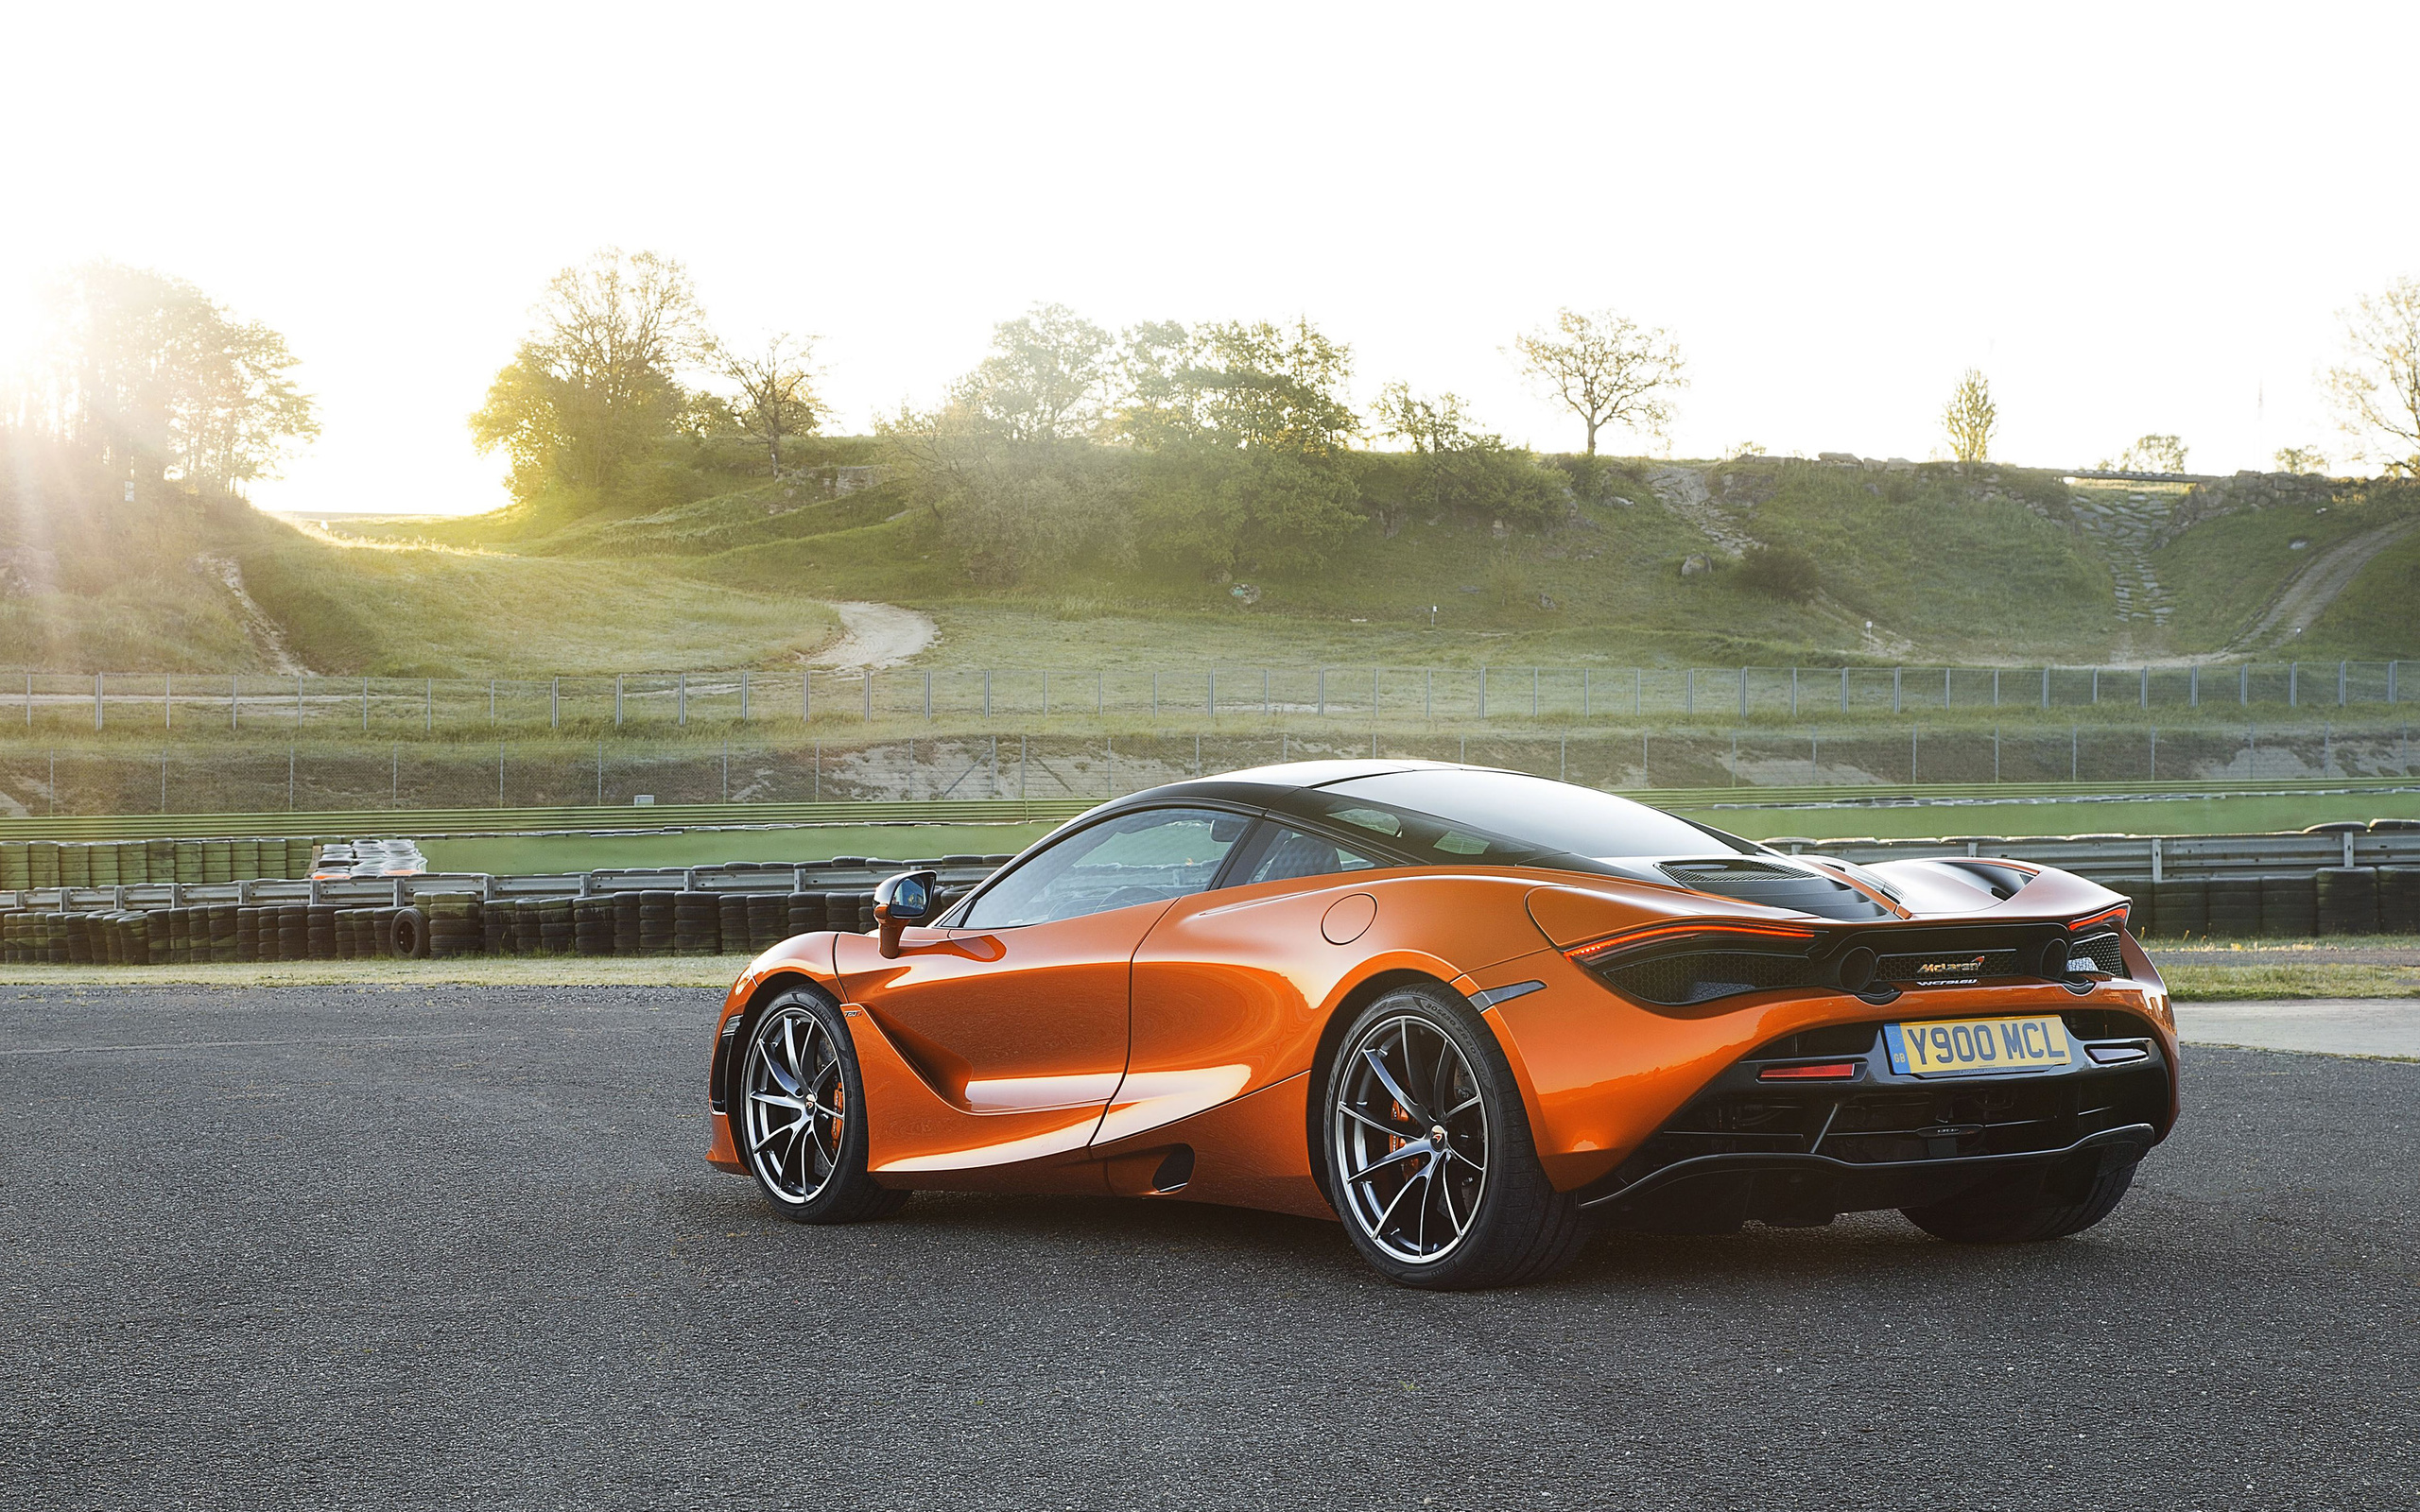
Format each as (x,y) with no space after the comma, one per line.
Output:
(1989,564)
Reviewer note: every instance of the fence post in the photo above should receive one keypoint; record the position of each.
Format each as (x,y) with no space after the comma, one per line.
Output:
(297,701)
(1427,693)
(987,690)
(1814,756)
(2155,759)
(1995,753)
(1638,691)
(2046,687)
(987,696)
(499,774)
(1995,687)
(929,696)
(2293,684)
(1911,754)
(2096,685)
(365,706)
(164,780)
(819,771)
(1743,696)
(1583,693)
(2193,686)
(1689,691)
(1898,678)
(679,698)
(1322,693)
(2075,740)
(2339,685)
(1112,776)
(1209,708)
(428,706)
(1482,690)
(290,777)
(1793,692)
(1944,687)
(234,701)
(1844,689)
(97,694)
(1374,698)
(1534,692)
(396,776)
(2244,685)
(743,695)
(1155,698)
(168,698)
(805,697)
(2146,701)
(600,774)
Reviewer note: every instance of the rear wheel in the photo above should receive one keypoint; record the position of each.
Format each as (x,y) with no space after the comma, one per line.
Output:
(2025,1207)
(796,1115)
(1431,1160)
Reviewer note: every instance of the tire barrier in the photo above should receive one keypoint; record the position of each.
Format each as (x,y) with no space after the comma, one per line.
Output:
(37,864)
(2347,900)
(2399,899)
(2289,907)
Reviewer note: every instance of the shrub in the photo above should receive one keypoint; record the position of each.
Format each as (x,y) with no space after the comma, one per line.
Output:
(1779,573)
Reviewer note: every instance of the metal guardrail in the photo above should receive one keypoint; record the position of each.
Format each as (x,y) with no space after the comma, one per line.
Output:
(2104,858)
(394,708)
(423,824)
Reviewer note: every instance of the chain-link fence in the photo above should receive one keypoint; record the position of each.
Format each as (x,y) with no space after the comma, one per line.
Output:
(393,707)
(111,776)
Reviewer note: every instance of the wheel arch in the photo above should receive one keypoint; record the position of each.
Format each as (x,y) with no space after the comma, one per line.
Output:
(1348,1007)
(781,979)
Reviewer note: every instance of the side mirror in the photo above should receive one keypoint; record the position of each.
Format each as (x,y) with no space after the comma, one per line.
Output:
(902,899)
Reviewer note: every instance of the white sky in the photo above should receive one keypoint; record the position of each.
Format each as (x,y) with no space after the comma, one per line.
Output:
(2133,218)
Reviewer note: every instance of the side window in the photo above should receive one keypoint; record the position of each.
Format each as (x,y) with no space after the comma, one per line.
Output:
(1291,853)
(1149,856)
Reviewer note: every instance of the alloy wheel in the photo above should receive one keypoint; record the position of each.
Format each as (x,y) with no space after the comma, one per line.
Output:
(1411,1139)
(792,1113)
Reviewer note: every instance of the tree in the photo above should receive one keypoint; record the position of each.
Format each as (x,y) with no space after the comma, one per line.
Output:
(1605,369)
(2300,460)
(776,390)
(596,387)
(1460,467)
(1239,384)
(1970,417)
(2377,387)
(1046,379)
(2149,453)
(144,371)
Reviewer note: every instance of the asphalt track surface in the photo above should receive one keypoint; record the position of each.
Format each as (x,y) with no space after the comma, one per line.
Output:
(418,1247)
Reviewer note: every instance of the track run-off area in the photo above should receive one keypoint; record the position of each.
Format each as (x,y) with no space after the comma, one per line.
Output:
(379,1245)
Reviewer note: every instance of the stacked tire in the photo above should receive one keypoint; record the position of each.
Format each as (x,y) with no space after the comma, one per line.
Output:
(806,912)
(697,924)
(2183,904)
(767,922)
(454,925)
(556,927)
(2234,908)
(591,925)
(731,922)
(2289,907)
(658,922)
(2346,900)
(2399,899)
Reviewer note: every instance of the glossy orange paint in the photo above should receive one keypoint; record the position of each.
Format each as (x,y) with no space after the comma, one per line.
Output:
(1075,1057)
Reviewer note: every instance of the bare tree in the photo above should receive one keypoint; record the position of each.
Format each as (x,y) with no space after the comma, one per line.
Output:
(777,398)
(1606,368)
(2377,388)
(1970,417)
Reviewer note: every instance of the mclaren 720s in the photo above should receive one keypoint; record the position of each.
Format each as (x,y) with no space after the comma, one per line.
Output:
(1474,1014)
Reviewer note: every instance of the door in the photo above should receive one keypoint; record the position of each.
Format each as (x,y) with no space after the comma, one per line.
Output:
(1021,1006)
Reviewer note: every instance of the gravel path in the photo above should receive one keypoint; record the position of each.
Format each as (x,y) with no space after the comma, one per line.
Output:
(877,636)
(409,1247)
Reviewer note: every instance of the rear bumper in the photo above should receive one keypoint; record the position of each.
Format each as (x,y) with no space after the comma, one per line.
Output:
(1716,1193)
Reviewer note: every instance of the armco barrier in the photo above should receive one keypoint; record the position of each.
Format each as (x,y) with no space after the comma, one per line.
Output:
(2346,879)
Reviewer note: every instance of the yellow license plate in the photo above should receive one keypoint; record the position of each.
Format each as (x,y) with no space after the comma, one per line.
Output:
(1972,1047)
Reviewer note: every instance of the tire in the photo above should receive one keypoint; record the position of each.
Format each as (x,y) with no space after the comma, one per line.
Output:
(1518,1229)
(407,936)
(2025,1207)
(818,1177)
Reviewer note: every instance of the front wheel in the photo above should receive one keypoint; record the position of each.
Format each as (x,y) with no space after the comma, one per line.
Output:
(1430,1160)
(798,1118)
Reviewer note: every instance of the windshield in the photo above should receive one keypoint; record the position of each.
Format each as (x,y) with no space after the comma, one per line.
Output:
(1537,814)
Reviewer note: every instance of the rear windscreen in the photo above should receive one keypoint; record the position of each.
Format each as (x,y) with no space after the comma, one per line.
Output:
(1531,813)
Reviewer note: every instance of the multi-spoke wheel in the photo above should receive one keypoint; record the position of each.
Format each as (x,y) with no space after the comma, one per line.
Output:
(1410,1138)
(796,1115)
(1429,1156)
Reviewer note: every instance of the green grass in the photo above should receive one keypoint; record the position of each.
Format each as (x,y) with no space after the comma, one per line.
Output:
(2253,984)
(2193,816)
(526,855)
(2224,572)
(2381,605)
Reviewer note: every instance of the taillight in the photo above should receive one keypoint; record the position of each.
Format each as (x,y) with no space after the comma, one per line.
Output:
(1682,965)
(1828,1071)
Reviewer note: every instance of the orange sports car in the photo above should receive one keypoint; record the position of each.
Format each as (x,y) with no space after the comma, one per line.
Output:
(1474,1014)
